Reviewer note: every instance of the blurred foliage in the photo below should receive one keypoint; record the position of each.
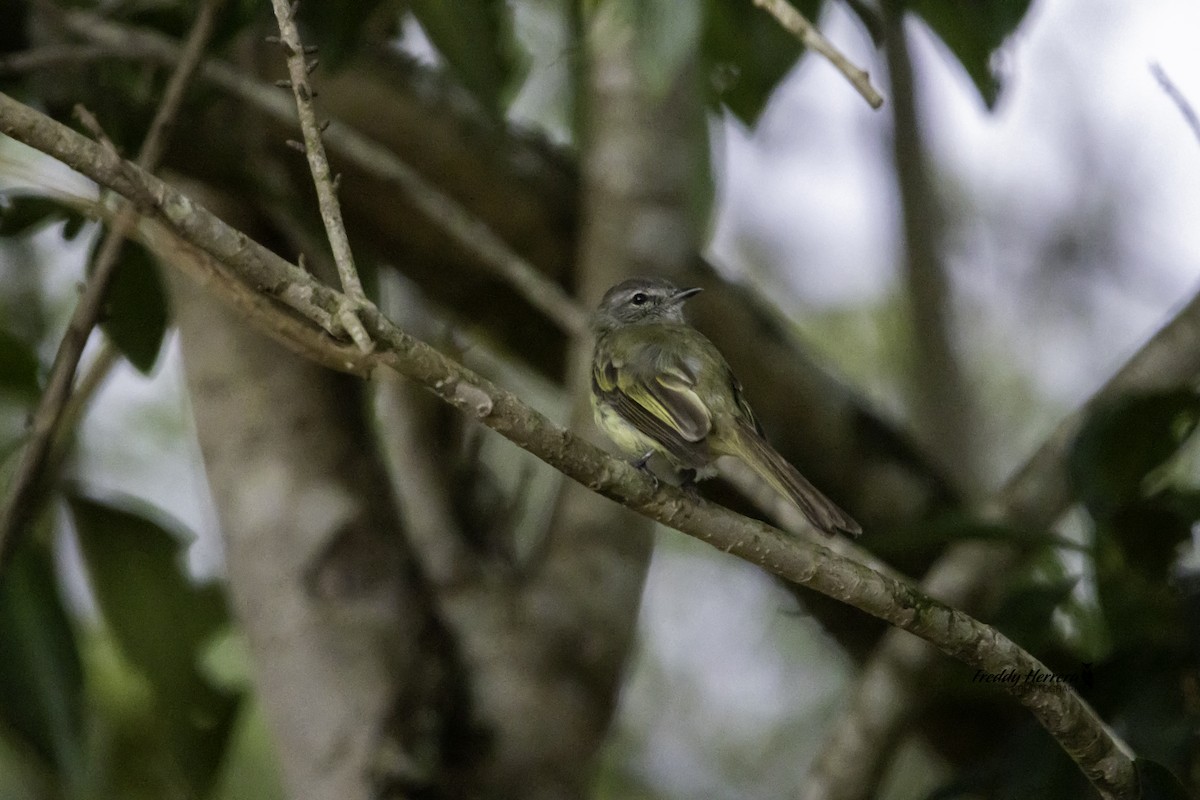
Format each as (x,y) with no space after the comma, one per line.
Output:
(974,33)
(746,53)
(23,215)
(475,37)
(128,708)
(124,700)
(161,623)
(135,312)
(18,367)
(336,28)
(925,539)
(1124,442)
(1138,666)
(41,678)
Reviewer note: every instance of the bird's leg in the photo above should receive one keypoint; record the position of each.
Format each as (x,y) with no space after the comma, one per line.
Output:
(688,483)
(642,464)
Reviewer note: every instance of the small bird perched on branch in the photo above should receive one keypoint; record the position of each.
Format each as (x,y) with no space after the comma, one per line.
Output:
(660,387)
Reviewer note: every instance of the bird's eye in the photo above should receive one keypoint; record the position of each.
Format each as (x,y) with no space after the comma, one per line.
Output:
(639,299)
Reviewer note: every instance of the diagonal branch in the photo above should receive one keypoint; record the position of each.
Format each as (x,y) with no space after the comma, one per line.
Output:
(798,25)
(1102,758)
(890,690)
(1177,97)
(463,227)
(21,503)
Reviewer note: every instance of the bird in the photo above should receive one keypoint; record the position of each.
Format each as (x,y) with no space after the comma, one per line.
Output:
(659,387)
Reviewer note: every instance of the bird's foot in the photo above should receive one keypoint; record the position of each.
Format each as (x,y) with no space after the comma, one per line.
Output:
(688,483)
(643,465)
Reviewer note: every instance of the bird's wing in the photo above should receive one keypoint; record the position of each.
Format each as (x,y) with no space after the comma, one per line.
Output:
(739,397)
(655,390)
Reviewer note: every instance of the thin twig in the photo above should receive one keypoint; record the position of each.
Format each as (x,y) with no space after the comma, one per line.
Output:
(464,228)
(318,164)
(1056,706)
(795,22)
(52,56)
(425,503)
(85,389)
(1177,97)
(21,503)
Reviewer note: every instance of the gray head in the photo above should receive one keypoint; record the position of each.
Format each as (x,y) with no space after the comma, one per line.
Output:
(640,301)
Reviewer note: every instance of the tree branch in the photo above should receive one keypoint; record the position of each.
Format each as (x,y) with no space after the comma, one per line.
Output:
(1056,706)
(299,68)
(21,503)
(463,227)
(892,687)
(890,690)
(1177,97)
(944,409)
(54,55)
(527,195)
(796,23)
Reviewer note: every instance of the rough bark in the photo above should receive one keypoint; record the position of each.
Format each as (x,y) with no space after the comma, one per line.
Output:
(354,668)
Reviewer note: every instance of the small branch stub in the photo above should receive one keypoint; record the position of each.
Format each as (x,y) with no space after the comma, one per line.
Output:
(314,150)
(796,23)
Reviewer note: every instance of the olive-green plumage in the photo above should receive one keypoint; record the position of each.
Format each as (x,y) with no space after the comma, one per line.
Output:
(659,386)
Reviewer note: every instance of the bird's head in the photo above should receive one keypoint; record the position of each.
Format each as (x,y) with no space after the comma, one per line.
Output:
(640,301)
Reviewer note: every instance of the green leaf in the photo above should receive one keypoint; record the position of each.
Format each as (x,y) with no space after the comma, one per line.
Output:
(870,17)
(251,768)
(158,617)
(933,535)
(475,37)
(28,214)
(199,732)
(41,678)
(745,53)
(336,28)
(1024,614)
(14,33)
(1150,532)
(18,366)
(235,16)
(136,308)
(974,31)
(1156,782)
(702,188)
(668,35)
(1124,441)
(74,227)
(1183,503)
(161,622)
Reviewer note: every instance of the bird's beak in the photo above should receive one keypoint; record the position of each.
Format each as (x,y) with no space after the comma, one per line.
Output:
(685,294)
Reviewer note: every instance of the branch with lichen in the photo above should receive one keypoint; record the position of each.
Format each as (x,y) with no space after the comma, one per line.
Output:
(473,235)
(299,68)
(1083,735)
(21,502)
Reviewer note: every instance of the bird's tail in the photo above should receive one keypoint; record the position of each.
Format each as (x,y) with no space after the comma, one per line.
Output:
(787,480)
